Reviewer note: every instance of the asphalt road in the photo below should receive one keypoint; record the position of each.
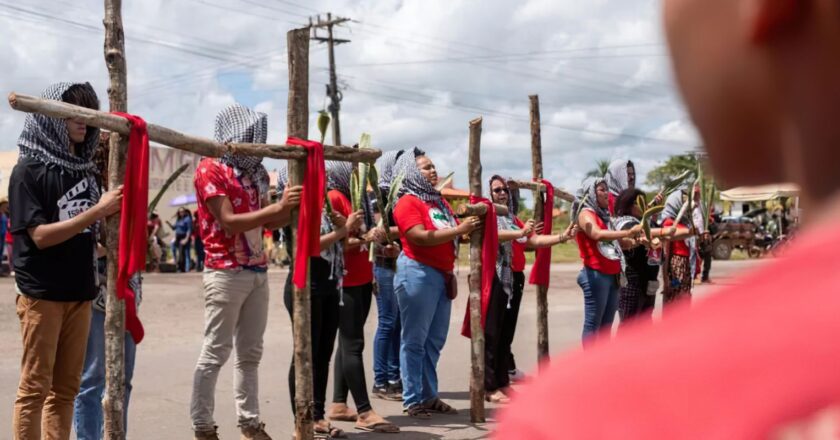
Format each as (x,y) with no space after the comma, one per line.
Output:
(172,313)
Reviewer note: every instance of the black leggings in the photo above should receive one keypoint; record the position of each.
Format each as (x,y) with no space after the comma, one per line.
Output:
(324,318)
(349,366)
(511,317)
(496,353)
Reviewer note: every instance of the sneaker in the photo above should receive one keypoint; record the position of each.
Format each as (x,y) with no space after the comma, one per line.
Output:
(396,387)
(255,433)
(381,391)
(208,434)
(517,375)
(395,392)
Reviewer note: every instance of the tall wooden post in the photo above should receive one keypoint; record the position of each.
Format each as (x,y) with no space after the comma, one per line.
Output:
(297,120)
(476,240)
(537,168)
(114,399)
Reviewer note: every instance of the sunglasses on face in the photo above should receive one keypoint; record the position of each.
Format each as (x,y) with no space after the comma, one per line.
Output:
(500,190)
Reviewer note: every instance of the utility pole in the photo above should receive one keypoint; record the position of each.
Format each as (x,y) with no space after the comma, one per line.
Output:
(332,87)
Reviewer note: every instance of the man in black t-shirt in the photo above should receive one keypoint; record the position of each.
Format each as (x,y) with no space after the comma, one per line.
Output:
(55,209)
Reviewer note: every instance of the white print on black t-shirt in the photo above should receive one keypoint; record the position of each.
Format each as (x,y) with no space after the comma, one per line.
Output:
(75,202)
(439,219)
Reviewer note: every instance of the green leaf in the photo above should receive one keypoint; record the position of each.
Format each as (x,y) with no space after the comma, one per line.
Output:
(393,194)
(646,218)
(323,123)
(364,141)
(674,184)
(355,200)
(169,181)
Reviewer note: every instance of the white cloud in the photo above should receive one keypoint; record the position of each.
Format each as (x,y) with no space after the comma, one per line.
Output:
(415,73)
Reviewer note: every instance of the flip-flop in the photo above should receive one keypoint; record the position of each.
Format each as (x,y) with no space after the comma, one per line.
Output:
(381,428)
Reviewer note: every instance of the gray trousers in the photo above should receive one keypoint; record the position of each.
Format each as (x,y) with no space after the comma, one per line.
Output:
(235,314)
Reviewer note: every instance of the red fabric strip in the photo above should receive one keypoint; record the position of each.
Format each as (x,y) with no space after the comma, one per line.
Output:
(540,272)
(135,202)
(311,205)
(489,252)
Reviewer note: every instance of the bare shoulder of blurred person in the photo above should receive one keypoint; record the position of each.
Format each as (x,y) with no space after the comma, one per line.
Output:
(761,80)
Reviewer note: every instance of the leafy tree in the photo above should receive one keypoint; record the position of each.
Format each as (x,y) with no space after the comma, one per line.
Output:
(674,166)
(600,170)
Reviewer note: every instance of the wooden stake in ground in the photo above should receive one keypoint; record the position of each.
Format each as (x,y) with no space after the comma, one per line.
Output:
(297,41)
(476,241)
(537,168)
(113,402)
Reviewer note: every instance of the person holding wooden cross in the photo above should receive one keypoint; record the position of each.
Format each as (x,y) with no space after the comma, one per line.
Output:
(356,291)
(326,273)
(515,237)
(56,208)
(600,249)
(233,209)
(425,283)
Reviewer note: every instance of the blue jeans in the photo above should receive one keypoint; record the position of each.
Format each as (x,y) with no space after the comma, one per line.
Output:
(424,314)
(87,411)
(386,343)
(600,295)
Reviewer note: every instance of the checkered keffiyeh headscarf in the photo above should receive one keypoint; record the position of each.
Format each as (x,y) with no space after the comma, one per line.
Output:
(413,181)
(239,124)
(590,199)
(385,164)
(46,140)
(617,176)
(338,176)
(673,205)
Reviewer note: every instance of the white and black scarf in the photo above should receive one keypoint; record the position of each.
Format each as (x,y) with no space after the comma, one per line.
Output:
(239,124)
(618,178)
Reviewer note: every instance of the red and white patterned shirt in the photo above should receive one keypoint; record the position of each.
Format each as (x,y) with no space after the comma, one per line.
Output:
(223,250)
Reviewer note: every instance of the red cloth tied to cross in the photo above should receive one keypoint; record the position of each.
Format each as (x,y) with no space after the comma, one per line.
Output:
(133,241)
(541,270)
(489,252)
(311,206)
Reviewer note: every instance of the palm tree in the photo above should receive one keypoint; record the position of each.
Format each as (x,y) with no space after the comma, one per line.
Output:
(600,170)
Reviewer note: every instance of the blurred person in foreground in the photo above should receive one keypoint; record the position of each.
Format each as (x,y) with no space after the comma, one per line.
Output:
(762,82)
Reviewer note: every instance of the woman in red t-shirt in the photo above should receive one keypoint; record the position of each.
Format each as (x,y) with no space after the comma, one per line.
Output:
(356,294)
(600,251)
(429,233)
(682,254)
(506,297)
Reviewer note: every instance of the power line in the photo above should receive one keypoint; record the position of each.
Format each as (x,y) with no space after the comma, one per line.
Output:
(519,118)
(332,89)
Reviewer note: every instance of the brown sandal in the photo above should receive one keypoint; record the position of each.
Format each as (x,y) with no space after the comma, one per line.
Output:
(380,428)
(439,406)
(417,412)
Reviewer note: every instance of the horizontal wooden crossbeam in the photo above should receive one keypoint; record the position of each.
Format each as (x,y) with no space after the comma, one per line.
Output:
(194,144)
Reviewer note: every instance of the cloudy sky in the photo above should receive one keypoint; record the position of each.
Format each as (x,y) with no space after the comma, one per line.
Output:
(414,74)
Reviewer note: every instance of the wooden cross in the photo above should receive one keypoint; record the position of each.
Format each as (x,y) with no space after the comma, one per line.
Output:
(537,168)
(297,125)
